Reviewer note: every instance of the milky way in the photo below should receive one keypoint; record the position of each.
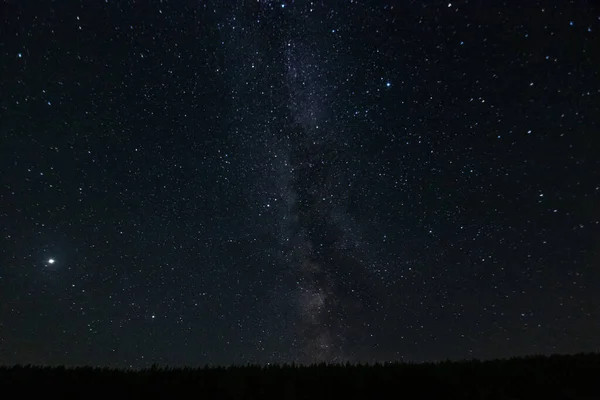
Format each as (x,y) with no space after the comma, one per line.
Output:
(315,245)
(309,184)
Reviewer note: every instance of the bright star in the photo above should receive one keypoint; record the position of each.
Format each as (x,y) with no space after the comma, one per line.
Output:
(51,261)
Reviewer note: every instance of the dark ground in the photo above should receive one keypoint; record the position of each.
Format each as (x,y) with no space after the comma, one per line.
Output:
(535,377)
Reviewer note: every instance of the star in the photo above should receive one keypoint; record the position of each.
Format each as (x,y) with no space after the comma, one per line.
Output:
(51,261)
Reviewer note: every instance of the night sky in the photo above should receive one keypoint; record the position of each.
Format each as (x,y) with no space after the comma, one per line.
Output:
(191,183)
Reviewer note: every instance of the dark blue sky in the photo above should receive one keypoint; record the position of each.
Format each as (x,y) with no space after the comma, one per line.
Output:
(265,181)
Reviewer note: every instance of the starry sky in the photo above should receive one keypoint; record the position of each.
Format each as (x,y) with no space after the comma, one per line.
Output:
(260,181)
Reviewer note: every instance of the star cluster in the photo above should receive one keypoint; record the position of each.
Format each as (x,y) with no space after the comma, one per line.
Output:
(191,183)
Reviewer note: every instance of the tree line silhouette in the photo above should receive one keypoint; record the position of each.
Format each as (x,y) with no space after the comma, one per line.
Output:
(533,377)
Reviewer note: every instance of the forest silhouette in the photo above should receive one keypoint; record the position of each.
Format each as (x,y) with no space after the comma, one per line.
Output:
(532,377)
